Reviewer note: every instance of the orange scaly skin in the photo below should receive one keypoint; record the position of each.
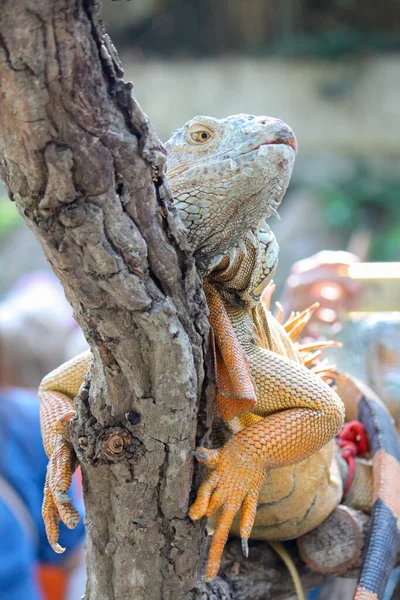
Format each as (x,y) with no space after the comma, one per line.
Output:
(56,395)
(278,468)
(300,413)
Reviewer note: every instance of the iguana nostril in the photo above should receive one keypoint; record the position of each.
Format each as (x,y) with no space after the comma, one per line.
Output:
(263,120)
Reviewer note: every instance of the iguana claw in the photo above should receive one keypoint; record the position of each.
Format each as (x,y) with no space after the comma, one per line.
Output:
(209,457)
(201,457)
(232,485)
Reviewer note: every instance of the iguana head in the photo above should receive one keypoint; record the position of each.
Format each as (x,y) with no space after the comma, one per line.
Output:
(227,176)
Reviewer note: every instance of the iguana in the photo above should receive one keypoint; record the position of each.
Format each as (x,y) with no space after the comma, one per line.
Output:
(278,467)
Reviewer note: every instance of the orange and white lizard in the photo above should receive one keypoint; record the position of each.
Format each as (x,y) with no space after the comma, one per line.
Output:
(278,475)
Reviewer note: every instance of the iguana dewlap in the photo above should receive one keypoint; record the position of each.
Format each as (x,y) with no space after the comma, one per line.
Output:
(227,176)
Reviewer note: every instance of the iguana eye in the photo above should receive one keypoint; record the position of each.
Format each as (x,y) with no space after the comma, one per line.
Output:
(199,136)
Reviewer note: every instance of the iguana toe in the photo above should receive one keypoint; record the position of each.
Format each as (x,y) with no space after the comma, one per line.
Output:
(232,485)
(219,540)
(249,509)
(51,518)
(56,503)
(61,426)
(62,466)
(200,505)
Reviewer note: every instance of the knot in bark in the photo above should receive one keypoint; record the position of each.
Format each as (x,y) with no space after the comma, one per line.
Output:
(115,442)
(83,442)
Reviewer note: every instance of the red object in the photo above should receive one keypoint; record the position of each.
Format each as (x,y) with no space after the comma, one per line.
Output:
(353,442)
(53,582)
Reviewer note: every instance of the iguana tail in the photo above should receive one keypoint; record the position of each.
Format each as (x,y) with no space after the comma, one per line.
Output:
(291,567)
(380,553)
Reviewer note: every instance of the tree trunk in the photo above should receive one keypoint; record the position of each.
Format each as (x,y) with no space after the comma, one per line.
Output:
(85,169)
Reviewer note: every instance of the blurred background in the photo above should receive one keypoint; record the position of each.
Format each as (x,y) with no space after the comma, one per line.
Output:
(331,70)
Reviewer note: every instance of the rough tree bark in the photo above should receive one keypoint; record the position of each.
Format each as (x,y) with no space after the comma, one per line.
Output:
(85,169)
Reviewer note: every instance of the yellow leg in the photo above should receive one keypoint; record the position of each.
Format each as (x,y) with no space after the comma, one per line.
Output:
(56,395)
(300,414)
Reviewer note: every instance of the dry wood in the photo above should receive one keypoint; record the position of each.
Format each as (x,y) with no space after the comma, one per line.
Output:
(323,549)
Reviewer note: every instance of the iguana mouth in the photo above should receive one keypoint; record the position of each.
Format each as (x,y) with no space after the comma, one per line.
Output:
(285,140)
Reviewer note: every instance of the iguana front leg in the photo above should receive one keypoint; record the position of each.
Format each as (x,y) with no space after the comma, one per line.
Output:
(56,394)
(296,414)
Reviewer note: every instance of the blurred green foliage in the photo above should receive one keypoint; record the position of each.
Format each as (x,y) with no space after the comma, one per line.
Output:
(369,200)
(10,219)
(334,44)
(318,28)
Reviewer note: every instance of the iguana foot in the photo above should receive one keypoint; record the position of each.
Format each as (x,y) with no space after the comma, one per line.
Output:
(56,503)
(234,483)
(61,426)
